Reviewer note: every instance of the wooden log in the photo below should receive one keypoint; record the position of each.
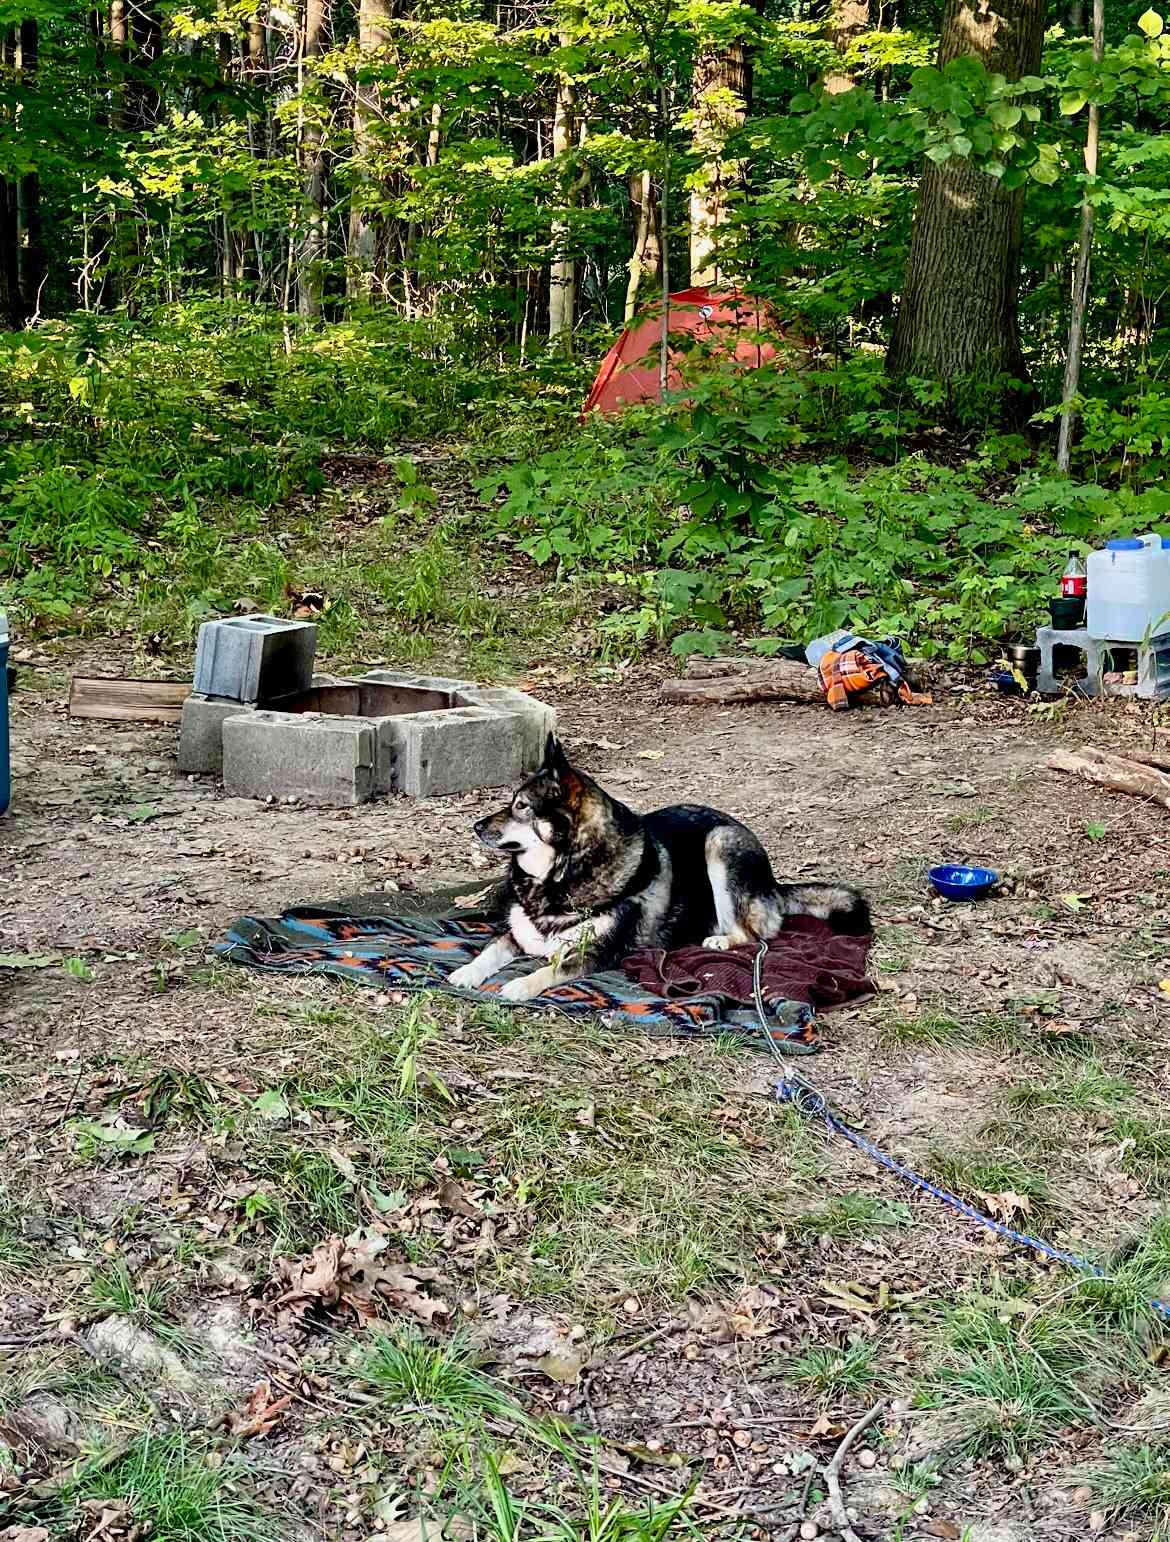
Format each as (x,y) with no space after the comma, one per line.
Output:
(780,680)
(1114,772)
(699,668)
(1159,758)
(127,701)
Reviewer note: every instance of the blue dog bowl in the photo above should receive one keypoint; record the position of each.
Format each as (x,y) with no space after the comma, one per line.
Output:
(962,883)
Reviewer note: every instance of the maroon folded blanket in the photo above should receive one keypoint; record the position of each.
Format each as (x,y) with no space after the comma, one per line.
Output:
(807,962)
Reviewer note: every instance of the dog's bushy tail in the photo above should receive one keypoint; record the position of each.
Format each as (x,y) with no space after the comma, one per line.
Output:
(843,908)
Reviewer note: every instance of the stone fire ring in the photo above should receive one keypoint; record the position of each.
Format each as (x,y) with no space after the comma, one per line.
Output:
(343,742)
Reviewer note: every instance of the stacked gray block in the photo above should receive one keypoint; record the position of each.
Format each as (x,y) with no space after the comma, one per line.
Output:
(254,658)
(538,719)
(487,736)
(201,733)
(201,729)
(310,756)
(1153,671)
(436,753)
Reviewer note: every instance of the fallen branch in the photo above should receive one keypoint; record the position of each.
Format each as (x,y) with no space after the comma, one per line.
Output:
(1159,758)
(1116,772)
(833,1474)
(779,680)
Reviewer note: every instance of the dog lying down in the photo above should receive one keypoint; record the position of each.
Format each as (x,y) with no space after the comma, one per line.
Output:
(591,881)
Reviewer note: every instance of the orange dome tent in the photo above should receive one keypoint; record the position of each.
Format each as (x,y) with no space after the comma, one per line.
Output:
(731,324)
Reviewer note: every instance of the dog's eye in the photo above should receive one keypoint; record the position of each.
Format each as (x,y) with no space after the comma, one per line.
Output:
(521,805)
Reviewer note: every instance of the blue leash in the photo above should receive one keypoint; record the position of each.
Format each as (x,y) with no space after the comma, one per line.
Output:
(801,1095)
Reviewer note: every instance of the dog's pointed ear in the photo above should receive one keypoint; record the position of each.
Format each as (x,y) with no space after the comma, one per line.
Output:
(555,762)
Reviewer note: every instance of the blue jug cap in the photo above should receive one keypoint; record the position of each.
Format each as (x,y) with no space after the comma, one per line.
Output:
(1129,543)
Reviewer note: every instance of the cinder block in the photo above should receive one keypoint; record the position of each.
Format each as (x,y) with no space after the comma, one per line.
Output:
(319,759)
(539,719)
(437,753)
(254,658)
(418,682)
(201,733)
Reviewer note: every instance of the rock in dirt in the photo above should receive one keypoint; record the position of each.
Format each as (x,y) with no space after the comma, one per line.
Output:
(119,1340)
(46,1424)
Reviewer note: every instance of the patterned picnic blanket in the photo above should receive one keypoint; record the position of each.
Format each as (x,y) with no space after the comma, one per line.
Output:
(418,945)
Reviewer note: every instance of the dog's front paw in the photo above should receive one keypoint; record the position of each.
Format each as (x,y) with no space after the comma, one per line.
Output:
(719,943)
(522,989)
(467,975)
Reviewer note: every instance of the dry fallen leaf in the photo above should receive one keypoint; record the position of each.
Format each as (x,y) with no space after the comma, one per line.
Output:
(24,1534)
(1005,1205)
(825,1429)
(941,1528)
(452,1197)
(260,1414)
(465,901)
(416,1529)
(335,1274)
(565,1367)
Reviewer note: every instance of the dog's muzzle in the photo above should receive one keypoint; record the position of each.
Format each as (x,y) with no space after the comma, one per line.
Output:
(488,834)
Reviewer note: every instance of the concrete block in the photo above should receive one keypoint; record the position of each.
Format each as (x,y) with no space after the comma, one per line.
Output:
(319,759)
(253,658)
(538,719)
(201,733)
(437,753)
(418,682)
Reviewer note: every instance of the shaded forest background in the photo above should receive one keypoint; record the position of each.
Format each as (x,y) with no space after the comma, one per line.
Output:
(236,241)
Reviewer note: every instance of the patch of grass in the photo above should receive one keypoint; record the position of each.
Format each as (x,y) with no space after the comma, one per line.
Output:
(596,1517)
(1009,1378)
(851,1215)
(926,1029)
(185,1094)
(113,1291)
(416,1375)
(1138,1273)
(828,1370)
(175,1495)
(1145,1150)
(1089,1087)
(915,1480)
(667,1199)
(971,1171)
(973,818)
(303,1193)
(1135,1482)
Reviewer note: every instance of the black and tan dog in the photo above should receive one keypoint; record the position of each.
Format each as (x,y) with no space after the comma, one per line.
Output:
(591,881)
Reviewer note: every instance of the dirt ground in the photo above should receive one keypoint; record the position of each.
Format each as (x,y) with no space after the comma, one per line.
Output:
(118,873)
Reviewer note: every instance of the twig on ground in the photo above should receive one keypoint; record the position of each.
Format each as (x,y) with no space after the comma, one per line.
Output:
(833,1473)
(69,1101)
(790,1534)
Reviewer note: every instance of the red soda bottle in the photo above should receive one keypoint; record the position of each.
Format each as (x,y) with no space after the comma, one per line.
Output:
(1074,583)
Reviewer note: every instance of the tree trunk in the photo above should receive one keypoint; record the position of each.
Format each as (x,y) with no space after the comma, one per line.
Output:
(847,20)
(367,228)
(255,47)
(142,97)
(959,316)
(9,256)
(1080,288)
(562,288)
(720,99)
(315,236)
(30,269)
(646,261)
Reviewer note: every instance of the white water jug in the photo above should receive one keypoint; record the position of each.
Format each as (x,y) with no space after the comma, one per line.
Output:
(1129,590)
